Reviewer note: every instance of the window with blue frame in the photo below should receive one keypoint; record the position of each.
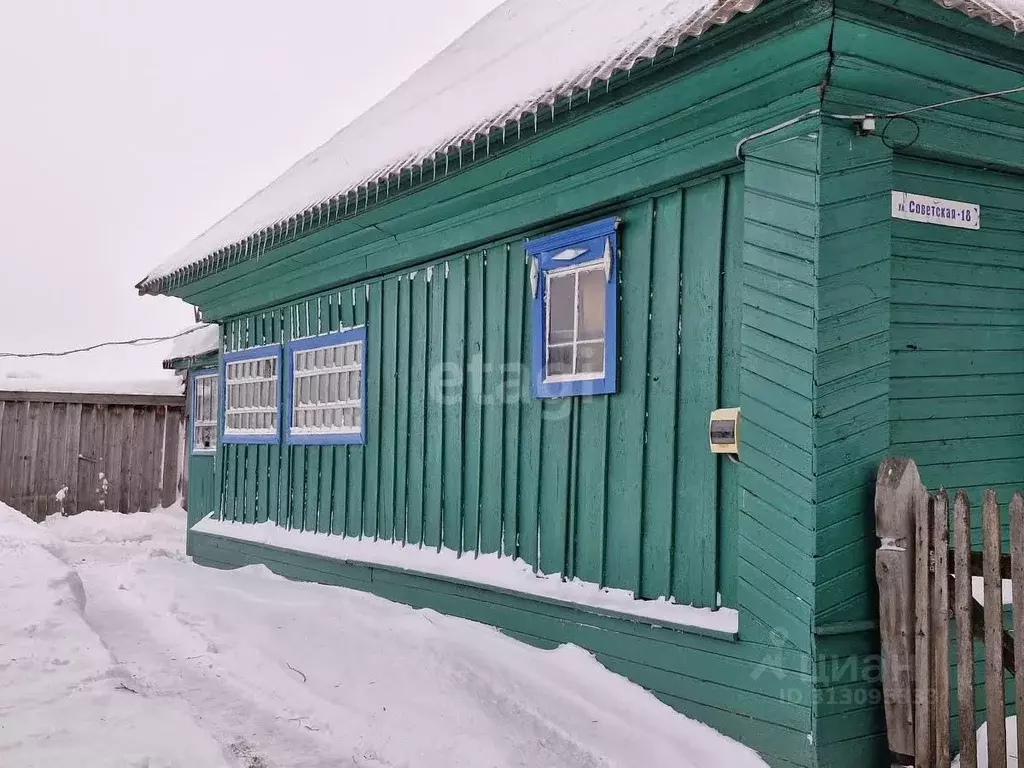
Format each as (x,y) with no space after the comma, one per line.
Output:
(251,389)
(574,278)
(325,389)
(205,411)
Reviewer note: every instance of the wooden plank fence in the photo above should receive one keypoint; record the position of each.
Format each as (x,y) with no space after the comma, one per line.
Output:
(923,584)
(68,452)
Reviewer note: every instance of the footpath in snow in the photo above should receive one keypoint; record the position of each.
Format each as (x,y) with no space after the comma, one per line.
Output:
(116,650)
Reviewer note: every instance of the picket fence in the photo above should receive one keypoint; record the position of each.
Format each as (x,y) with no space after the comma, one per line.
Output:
(923,584)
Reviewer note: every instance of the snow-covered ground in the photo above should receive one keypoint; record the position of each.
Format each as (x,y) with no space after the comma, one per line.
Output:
(116,650)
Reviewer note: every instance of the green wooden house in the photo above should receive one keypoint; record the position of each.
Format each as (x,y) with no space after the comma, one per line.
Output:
(478,336)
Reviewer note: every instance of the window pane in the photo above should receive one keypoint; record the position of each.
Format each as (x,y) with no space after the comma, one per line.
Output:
(322,379)
(343,386)
(205,438)
(592,301)
(560,361)
(561,308)
(357,418)
(355,386)
(590,357)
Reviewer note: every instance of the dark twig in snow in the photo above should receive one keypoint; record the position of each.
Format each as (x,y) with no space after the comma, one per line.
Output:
(123,687)
(296,671)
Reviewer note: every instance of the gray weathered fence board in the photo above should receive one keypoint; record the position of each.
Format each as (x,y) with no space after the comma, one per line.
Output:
(924,712)
(964,630)
(72,463)
(107,454)
(994,693)
(898,480)
(940,624)
(1017,570)
(171,476)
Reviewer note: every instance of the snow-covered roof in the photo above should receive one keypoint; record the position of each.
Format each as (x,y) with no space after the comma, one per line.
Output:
(200,339)
(517,62)
(1002,13)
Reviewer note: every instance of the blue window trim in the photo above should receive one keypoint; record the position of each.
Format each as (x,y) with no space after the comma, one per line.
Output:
(269,350)
(593,236)
(200,373)
(345,336)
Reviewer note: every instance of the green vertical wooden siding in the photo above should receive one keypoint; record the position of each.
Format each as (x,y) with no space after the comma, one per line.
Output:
(202,487)
(620,490)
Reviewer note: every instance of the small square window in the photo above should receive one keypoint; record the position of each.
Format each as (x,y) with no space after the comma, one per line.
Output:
(324,395)
(574,276)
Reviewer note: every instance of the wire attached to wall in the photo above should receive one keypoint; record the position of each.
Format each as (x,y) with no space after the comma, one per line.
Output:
(863,121)
(140,342)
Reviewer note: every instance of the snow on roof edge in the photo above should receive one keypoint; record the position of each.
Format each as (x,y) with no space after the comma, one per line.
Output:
(200,339)
(197,256)
(715,12)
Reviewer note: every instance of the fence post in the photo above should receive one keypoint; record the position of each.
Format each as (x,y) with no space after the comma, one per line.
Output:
(1017,576)
(940,624)
(924,711)
(963,600)
(994,694)
(898,491)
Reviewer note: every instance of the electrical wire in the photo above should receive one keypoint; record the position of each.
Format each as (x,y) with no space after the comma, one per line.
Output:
(976,97)
(140,342)
(898,145)
(890,117)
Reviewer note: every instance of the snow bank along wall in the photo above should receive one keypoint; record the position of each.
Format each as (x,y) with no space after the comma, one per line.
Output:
(777,281)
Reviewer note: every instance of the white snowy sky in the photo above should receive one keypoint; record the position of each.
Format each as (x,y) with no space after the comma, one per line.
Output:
(129,127)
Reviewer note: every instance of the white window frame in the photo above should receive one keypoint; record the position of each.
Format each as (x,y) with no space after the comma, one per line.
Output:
(234,361)
(196,422)
(576,271)
(334,434)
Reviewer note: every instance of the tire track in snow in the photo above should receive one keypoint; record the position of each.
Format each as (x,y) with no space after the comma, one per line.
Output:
(144,641)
